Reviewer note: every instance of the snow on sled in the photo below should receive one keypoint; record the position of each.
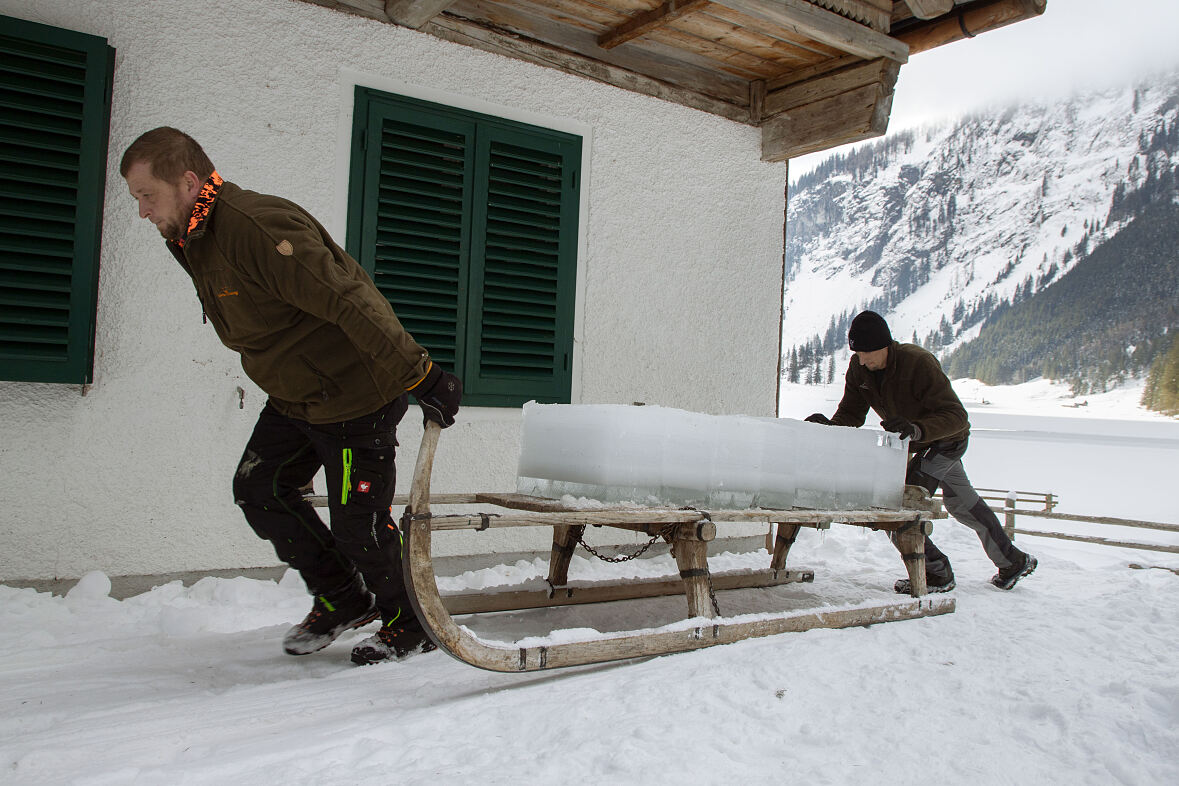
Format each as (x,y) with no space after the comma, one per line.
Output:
(688,530)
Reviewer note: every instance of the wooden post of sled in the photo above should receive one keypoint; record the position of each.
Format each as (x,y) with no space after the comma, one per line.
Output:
(565,537)
(691,556)
(910,541)
(787,533)
(690,541)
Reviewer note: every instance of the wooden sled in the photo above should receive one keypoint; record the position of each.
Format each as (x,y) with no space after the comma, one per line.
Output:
(687,530)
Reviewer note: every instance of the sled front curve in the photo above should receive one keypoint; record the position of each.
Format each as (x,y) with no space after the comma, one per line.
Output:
(691,634)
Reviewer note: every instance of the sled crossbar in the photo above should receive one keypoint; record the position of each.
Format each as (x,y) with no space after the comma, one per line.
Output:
(577,593)
(687,530)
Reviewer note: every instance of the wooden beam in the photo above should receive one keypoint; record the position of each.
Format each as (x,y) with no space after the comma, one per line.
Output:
(822,25)
(881,71)
(648,20)
(757,101)
(929,9)
(414,13)
(968,22)
(579,593)
(810,72)
(848,117)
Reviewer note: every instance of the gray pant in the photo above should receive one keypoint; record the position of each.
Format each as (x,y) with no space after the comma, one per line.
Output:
(941,465)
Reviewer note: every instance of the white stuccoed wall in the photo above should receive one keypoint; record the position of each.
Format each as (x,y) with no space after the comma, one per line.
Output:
(678,300)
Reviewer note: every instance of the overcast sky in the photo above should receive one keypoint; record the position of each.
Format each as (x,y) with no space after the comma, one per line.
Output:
(1074,45)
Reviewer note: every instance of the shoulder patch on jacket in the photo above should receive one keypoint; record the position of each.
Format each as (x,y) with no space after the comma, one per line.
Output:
(285,248)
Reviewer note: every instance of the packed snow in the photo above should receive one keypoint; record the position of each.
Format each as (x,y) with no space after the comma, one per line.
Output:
(1072,677)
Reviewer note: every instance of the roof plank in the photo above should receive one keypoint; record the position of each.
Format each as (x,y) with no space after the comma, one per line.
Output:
(822,25)
(469,33)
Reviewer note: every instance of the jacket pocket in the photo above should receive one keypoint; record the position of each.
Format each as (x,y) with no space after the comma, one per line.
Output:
(228,303)
(327,388)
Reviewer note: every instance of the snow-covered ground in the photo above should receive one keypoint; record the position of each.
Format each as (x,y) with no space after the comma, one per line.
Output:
(1071,678)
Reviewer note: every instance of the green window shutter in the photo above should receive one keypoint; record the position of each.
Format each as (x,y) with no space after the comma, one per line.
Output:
(523,268)
(419,235)
(54,118)
(468,225)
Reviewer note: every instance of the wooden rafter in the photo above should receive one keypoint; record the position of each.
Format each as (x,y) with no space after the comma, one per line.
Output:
(822,25)
(648,20)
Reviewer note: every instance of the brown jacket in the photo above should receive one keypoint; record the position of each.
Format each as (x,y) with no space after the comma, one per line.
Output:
(914,387)
(312,329)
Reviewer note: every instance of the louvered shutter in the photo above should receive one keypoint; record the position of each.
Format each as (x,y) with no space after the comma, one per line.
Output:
(468,225)
(417,235)
(54,116)
(522,265)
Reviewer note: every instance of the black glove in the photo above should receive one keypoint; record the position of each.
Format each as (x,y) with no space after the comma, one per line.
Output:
(899,425)
(819,418)
(439,394)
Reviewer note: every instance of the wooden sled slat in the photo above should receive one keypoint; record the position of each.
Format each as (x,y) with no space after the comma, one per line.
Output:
(692,634)
(880,518)
(577,594)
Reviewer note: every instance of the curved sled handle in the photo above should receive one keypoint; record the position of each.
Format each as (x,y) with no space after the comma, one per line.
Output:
(419,492)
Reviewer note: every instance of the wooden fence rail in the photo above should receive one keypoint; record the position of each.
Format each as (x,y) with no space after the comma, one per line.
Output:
(1045,502)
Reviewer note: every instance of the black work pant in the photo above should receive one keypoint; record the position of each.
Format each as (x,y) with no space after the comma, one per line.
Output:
(941,465)
(357,456)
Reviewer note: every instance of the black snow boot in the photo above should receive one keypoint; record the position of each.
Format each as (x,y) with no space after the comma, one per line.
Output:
(391,643)
(933,583)
(330,616)
(1006,578)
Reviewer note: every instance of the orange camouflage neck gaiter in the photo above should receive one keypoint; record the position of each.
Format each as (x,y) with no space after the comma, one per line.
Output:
(204,203)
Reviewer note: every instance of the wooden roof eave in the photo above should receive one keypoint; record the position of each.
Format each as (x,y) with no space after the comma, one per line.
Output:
(838,90)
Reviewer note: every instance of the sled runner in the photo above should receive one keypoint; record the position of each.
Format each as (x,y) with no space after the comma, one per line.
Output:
(687,530)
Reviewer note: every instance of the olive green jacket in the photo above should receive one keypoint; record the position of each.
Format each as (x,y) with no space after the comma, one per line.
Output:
(914,387)
(312,329)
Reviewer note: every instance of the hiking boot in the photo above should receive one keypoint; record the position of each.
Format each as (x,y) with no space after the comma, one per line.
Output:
(1006,578)
(327,620)
(391,644)
(932,584)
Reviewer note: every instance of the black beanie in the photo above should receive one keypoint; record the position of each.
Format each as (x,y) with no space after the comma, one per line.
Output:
(868,332)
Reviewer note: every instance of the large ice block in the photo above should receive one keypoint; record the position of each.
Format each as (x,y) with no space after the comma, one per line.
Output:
(663,456)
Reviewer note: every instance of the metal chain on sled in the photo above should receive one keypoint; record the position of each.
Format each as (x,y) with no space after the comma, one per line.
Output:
(712,596)
(664,533)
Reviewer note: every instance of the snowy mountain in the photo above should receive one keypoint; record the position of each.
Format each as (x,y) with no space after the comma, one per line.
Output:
(939,227)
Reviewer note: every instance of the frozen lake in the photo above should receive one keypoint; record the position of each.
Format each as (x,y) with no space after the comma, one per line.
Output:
(1102,467)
